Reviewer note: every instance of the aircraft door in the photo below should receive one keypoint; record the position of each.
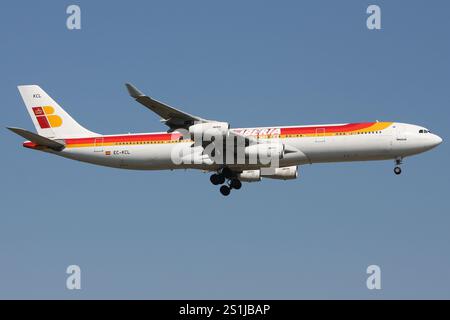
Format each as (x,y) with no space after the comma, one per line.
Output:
(400,137)
(320,135)
(98,144)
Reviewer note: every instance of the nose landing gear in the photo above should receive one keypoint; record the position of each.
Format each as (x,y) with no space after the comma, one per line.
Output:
(397,169)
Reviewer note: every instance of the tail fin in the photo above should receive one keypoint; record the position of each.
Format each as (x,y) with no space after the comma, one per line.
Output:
(50,120)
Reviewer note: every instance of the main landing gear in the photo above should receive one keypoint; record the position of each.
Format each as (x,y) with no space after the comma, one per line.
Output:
(397,169)
(231,181)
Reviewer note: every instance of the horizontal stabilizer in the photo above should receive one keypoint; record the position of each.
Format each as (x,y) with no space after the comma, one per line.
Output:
(39,140)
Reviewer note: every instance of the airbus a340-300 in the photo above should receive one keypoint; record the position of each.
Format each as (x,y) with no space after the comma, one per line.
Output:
(232,155)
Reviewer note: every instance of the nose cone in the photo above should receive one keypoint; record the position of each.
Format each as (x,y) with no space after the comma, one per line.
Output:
(435,140)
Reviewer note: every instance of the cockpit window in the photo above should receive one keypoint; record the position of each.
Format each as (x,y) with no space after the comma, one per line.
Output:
(424,131)
(421,131)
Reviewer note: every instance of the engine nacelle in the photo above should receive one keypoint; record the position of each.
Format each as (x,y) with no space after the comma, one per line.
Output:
(283,173)
(265,150)
(209,129)
(250,175)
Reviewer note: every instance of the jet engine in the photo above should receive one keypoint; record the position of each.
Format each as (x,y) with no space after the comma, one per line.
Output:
(283,173)
(250,175)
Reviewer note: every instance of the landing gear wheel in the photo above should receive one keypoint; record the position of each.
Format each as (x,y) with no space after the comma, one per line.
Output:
(225,190)
(235,184)
(214,179)
(397,170)
(217,179)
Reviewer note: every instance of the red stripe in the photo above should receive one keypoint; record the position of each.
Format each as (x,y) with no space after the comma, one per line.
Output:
(329,129)
(128,138)
(176,136)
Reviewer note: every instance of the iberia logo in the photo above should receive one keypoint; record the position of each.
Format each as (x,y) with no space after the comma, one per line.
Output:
(46,117)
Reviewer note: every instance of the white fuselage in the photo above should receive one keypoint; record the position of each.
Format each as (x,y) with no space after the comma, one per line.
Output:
(316,144)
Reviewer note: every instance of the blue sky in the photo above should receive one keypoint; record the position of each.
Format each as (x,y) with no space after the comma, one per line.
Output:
(162,235)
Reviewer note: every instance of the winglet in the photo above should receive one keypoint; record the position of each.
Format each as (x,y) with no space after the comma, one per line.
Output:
(133,91)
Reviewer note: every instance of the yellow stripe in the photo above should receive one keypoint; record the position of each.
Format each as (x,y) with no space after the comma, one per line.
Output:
(378,126)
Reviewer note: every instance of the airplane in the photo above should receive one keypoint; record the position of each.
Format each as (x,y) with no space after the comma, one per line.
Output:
(287,146)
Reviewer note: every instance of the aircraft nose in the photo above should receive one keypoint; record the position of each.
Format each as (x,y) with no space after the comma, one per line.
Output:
(435,140)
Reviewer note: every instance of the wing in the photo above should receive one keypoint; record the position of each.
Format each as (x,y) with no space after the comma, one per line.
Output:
(171,116)
(174,118)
